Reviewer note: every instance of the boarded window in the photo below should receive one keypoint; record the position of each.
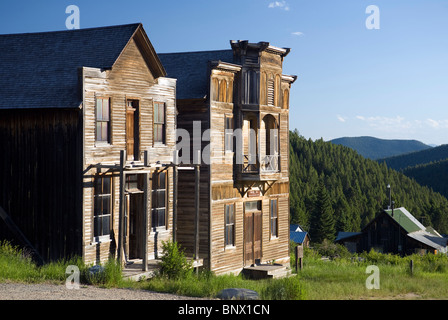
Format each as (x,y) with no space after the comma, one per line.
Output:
(228,133)
(285,99)
(270,92)
(102,110)
(159,199)
(102,206)
(223,91)
(274,218)
(230,225)
(159,122)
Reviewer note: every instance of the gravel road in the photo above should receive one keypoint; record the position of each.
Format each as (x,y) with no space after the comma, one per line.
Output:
(19,291)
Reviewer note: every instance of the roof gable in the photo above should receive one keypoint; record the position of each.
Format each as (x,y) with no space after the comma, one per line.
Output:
(405,219)
(41,70)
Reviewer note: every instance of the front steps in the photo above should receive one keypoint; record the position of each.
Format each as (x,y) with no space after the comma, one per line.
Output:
(267,271)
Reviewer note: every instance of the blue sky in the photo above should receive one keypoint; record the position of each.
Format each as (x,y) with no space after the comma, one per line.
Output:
(389,83)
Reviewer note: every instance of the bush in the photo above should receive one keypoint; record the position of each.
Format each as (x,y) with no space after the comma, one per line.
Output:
(284,289)
(332,250)
(174,264)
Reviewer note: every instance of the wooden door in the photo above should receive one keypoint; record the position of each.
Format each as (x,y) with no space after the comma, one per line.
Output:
(135,225)
(130,123)
(252,237)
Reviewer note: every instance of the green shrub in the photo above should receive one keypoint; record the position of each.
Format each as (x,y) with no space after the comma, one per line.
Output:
(332,250)
(284,289)
(174,264)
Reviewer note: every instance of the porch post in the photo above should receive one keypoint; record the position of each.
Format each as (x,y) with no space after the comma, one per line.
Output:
(196,205)
(175,182)
(121,210)
(145,214)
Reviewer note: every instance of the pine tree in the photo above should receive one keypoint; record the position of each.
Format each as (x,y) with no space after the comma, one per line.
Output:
(323,224)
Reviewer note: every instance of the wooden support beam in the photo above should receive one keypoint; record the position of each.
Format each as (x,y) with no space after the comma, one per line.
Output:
(121,210)
(197,204)
(18,233)
(175,183)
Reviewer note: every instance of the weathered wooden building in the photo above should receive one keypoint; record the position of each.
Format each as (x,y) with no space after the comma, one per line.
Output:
(233,107)
(87,134)
(394,231)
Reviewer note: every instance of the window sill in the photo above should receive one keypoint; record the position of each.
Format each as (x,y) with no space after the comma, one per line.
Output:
(229,248)
(99,144)
(99,240)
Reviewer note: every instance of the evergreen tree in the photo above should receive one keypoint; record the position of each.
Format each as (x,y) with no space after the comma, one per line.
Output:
(323,221)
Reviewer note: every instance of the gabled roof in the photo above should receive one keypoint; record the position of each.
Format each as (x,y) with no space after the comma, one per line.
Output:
(297,237)
(40,70)
(405,219)
(191,70)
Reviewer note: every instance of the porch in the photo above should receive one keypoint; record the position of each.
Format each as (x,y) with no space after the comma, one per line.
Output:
(133,270)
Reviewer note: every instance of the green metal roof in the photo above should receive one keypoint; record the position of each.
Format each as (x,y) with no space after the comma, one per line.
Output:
(405,219)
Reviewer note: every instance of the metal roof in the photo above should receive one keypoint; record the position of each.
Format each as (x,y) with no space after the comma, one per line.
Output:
(297,237)
(438,243)
(405,219)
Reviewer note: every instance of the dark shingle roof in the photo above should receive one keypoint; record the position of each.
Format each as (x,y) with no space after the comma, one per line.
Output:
(40,70)
(190,70)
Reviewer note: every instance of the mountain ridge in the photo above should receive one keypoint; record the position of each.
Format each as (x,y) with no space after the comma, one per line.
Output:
(377,148)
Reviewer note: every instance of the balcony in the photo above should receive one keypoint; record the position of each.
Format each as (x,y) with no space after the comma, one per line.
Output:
(263,168)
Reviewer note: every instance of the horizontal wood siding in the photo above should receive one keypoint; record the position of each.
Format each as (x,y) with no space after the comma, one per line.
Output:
(129,79)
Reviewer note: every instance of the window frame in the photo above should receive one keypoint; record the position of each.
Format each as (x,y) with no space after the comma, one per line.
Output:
(157,123)
(229,224)
(102,237)
(228,132)
(155,206)
(273,219)
(108,121)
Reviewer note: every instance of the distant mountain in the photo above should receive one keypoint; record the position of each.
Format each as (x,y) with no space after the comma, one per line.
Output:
(417,158)
(374,148)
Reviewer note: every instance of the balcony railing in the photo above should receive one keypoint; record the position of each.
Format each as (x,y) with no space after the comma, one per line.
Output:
(250,164)
(268,164)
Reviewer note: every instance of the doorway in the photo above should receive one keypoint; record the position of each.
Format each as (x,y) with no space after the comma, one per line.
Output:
(132,130)
(252,232)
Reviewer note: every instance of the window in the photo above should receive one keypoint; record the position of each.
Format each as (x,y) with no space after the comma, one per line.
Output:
(228,133)
(230,225)
(159,199)
(274,218)
(271,90)
(159,122)
(102,206)
(252,205)
(102,107)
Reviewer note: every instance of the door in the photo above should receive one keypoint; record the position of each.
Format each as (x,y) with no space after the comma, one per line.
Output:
(132,133)
(252,232)
(135,225)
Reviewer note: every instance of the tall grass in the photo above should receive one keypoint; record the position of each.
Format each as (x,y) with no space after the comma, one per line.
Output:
(17,265)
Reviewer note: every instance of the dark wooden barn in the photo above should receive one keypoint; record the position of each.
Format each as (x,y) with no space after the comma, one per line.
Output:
(394,231)
(87,135)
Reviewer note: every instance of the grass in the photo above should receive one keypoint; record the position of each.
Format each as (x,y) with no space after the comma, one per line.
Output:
(342,277)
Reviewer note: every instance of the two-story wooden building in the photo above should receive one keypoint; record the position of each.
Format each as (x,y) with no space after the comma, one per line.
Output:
(87,134)
(233,107)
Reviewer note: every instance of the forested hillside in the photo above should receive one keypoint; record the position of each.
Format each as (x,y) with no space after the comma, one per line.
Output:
(433,175)
(374,148)
(417,158)
(333,180)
